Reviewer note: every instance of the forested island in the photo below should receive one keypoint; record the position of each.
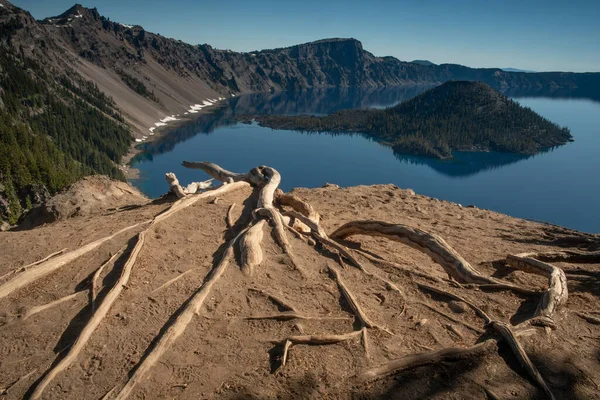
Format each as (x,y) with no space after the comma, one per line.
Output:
(458,115)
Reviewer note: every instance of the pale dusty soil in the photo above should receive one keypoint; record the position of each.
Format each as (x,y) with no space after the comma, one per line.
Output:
(222,355)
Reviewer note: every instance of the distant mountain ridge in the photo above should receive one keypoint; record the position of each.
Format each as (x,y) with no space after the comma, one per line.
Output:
(81,67)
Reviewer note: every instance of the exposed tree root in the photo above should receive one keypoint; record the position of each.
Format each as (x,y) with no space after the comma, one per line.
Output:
(288,316)
(38,309)
(33,264)
(93,323)
(44,268)
(432,245)
(567,256)
(177,327)
(451,318)
(173,280)
(215,171)
(509,336)
(276,299)
(229,218)
(174,185)
(557,293)
(417,360)
(94,288)
(353,302)
(453,296)
(589,318)
(299,205)
(315,340)
(251,253)
(4,391)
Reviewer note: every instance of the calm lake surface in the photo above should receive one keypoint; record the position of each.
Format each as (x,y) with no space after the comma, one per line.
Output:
(560,186)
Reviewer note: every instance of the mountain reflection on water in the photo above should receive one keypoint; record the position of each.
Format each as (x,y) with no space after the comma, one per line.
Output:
(326,101)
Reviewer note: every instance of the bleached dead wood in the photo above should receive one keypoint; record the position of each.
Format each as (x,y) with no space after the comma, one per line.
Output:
(281,302)
(353,302)
(298,205)
(315,340)
(251,252)
(229,218)
(433,245)
(215,171)
(40,270)
(174,185)
(94,288)
(94,321)
(416,360)
(176,328)
(33,264)
(557,293)
(518,350)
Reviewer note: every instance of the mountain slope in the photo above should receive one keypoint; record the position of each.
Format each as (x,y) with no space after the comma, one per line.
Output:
(457,115)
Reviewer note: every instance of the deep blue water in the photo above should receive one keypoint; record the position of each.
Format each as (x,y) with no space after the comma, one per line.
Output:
(560,186)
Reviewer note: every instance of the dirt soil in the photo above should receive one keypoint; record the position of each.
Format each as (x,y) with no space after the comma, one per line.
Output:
(223,355)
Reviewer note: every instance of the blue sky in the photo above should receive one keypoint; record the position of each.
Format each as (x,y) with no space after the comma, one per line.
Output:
(541,35)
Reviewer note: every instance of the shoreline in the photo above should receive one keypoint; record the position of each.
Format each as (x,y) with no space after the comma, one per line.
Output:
(164,127)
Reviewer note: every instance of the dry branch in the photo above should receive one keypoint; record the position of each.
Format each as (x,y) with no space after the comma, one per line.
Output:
(174,185)
(38,309)
(288,316)
(251,252)
(521,355)
(94,321)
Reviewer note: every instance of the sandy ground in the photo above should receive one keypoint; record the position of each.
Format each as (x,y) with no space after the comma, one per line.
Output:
(223,355)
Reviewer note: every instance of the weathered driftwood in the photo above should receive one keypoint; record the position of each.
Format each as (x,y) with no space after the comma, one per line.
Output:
(94,321)
(194,187)
(265,206)
(42,269)
(557,293)
(508,335)
(251,252)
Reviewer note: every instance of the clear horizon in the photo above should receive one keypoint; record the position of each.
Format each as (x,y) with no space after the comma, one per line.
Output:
(538,35)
